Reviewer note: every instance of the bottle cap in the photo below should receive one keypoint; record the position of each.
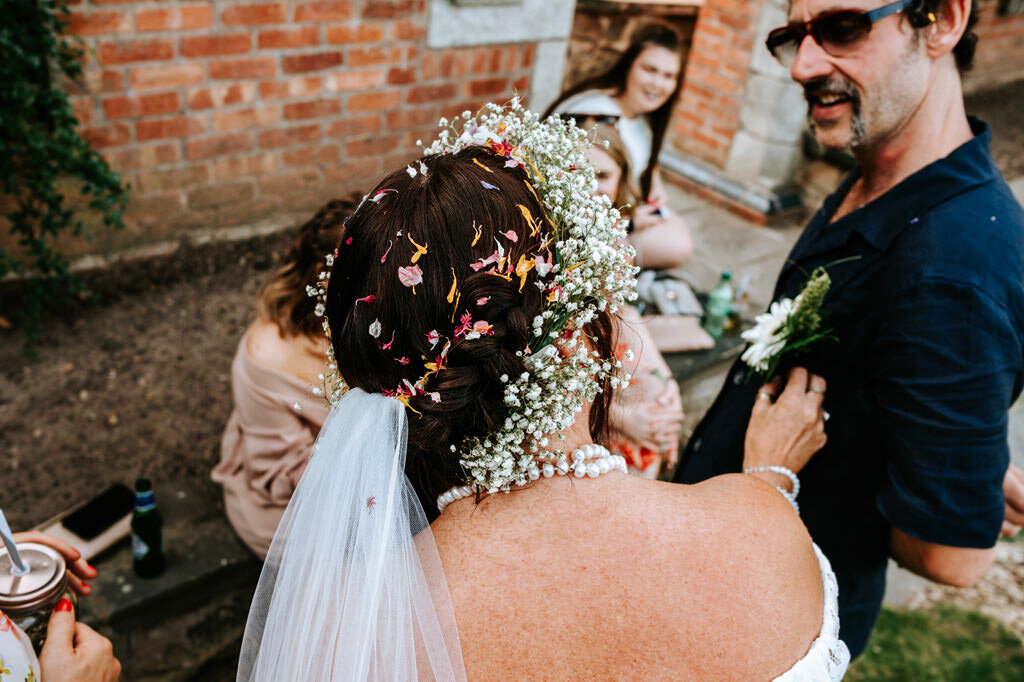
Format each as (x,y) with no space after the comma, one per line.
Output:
(142,485)
(46,580)
(726,275)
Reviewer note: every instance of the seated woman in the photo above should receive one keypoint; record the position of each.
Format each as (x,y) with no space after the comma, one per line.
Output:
(478,378)
(636,95)
(277,368)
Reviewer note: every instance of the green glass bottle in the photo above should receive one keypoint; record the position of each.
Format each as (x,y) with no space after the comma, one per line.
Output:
(147,532)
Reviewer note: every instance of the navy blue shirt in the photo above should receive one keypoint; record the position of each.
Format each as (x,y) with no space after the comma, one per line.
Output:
(929,358)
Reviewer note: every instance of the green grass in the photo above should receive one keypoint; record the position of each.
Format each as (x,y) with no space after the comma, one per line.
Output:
(944,645)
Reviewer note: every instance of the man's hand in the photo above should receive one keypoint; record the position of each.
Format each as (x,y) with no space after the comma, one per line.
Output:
(1013,488)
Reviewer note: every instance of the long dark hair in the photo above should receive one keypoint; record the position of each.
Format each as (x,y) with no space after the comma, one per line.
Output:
(442,210)
(646,35)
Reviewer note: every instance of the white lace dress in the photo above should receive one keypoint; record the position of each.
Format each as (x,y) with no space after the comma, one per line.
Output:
(828,657)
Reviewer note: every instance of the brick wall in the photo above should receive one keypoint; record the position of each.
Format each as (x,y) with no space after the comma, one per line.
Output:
(1000,55)
(709,107)
(223,114)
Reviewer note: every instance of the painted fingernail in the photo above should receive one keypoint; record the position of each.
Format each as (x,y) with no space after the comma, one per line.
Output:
(91,567)
(86,585)
(64,605)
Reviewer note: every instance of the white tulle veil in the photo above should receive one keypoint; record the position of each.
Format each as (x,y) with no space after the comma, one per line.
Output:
(353,587)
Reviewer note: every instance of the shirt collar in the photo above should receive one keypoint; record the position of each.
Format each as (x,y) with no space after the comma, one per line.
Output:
(881,221)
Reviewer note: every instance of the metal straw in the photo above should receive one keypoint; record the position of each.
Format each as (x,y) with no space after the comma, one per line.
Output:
(19,567)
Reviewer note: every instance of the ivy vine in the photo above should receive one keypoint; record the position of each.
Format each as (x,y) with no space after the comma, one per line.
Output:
(41,154)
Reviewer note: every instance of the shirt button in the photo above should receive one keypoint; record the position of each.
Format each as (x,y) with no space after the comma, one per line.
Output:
(697,443)
(737,378)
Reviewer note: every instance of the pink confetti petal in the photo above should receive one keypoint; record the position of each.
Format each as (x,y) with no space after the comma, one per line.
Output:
(410,276)
(402,360)
(349,240)
(387,346)
(483,300)
(381,194)
(385,256)
(511,236)
(367,299)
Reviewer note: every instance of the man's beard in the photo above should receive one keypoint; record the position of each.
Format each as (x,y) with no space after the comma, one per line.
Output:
(842,87)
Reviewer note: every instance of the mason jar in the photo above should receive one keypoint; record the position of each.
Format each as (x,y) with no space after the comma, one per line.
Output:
(29,599)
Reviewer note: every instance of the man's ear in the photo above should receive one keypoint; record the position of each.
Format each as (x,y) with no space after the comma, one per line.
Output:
(948,25)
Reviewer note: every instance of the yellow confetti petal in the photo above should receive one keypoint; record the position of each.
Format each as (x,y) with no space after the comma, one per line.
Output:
(532,191)
(420,249)
(477,162)
(458,297)
(523,268)
(451,292)
(477,231)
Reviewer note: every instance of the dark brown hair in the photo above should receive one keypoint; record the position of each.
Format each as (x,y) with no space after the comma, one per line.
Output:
(283,299)
(442,210)
(918,13)
(646,35)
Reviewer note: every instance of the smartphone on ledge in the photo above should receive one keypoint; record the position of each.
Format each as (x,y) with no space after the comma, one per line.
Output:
(97,524)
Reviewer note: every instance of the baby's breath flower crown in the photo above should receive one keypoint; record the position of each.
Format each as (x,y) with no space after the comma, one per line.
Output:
(584,270)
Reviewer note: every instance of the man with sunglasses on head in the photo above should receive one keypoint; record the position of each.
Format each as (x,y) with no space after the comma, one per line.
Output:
(925,246)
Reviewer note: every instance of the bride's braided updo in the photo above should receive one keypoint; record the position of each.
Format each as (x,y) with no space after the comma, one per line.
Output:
(403,284)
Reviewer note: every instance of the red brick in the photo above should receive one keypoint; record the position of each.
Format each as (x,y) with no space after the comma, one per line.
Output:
(324,11)
(368,56)
(288,136)
(404,29)
(360,33)
(374,101)
(252,117)
(430,93)
(144,105)
(411,118)
(221,145)
(529,51)
(254,15)
(94,81)
(144,156)
(388,9)
(303,36)
(398,76)
(161,77)
(181,18)
(109,135)
(373,145)
(315,109)
(221,95)
(98,23)
(245,166)
(178,126)
(285,186)
(150,182)
(367,167)
(521,85)
(221,194)
(488,86)
(135,51)
(359,125)
(163,204)
(83,109)
(308,156)
(216,45)
(455,63)
(341,81)
(255,67)
(315,61)
(293,87)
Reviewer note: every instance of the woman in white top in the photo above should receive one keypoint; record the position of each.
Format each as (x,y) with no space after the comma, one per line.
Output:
(485,364)
(638,93)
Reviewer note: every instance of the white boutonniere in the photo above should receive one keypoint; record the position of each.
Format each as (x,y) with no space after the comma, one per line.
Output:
(790,327)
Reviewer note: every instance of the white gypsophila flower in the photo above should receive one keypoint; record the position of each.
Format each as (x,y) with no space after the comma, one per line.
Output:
(765,337)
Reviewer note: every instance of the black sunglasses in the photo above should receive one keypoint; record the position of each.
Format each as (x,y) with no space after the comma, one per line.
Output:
(838,33)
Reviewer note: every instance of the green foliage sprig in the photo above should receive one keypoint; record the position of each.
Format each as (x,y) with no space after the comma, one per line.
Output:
(39,147)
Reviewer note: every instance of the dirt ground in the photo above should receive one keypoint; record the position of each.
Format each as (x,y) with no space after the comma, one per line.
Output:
(139,382)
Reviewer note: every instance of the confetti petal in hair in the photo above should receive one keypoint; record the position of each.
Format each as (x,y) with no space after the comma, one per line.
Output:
(511,236)
(455,306)
(483,300)
(487,185)
(411,171)
(477,231)
(529,186)
(529,219)
(349,240)
(523,268)
(455,282)
(423,168)
(381,193)
(477,162)
(507,278)
(466,324)
(543,267)
(410,276)
(385,256)
(367,299)
(433,337)
(435,396)
(484,262)
(387,346)
(375,329)
(402,360)
(421,250)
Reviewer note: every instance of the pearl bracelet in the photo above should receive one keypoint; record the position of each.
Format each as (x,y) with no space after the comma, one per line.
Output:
(788,473)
